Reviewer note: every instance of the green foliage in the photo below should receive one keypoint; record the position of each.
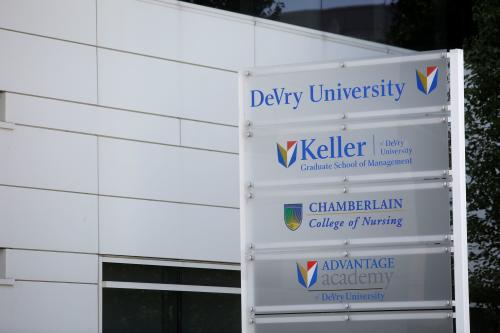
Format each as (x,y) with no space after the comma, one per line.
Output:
(482,94)
(415,24)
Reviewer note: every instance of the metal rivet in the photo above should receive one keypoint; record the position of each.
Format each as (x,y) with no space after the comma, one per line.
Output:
(445,184)
(450,315)
(346,318)
(346,254)
(342,65)
(252,309)
(250,257)
(347,306)
(249,123)
(346,242)
(251,321)
(343,127)
(250,246)
(250,185)
(344,116)
(247,73)
(443,108)
(344,190)
(250,195)
(345,178)
(249,134)
(444,120)
(448,302)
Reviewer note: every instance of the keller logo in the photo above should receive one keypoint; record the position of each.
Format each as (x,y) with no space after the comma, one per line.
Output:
(427,82)
(307,276)
(292,214)
(288,156)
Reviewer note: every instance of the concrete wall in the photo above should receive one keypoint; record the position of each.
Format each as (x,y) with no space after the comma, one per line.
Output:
(119,137)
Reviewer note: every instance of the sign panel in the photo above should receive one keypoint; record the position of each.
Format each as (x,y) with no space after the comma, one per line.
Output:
(388,278)
(298,218)
(375,325)
(380,129)
(345,153)
(332,90)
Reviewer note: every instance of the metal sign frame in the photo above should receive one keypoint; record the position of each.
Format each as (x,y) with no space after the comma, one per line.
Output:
(453,178)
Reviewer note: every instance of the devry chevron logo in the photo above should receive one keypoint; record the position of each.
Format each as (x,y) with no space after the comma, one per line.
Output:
(288,156)
(427,82)
(308,275)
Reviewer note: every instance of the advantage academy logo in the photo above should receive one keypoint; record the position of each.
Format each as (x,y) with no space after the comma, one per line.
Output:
(307,276)
(427,82)
(288,156)
(292,214)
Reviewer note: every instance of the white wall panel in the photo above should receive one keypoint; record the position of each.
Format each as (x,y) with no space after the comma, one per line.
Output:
(209,94)
(140,170)
(157,229)
(51,266)
(222,41)
(279,47)
(275,46)
(3,263)
(47,67)
(209,136)
(140,27)
(165,87)
(139,83)
(72,20)
(49,113)
(176,32)
(48,220)
(48,159)
(210,178)
(45,307)
(2,107)
(339,51)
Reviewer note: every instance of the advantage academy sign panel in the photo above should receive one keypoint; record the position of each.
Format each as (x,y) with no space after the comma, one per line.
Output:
(345,195)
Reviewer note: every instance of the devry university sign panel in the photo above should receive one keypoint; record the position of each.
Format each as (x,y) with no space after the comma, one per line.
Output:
(308,126)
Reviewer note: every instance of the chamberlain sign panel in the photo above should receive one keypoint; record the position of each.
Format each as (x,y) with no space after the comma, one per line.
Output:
(296,218)
(345,196)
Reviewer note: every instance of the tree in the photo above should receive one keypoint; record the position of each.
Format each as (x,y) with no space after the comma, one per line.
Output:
(413,27)
(482,94)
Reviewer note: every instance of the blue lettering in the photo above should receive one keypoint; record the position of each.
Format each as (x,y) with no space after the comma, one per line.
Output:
(306,150)
(261,96)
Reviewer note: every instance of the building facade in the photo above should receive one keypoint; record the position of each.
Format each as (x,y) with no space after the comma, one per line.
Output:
(119,160)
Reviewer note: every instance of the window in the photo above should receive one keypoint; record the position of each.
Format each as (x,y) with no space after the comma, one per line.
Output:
(154,299)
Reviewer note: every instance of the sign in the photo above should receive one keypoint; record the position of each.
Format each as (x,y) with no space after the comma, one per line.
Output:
(328,89)
(297,218)
(353,279)
(417,323)
(351,152)
(345,189)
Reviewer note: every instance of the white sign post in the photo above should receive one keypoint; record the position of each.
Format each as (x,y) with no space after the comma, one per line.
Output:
(344,192)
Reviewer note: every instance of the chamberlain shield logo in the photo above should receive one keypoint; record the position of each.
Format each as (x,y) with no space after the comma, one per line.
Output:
(308,275)
(427,81)
(292,214)
(288,156)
